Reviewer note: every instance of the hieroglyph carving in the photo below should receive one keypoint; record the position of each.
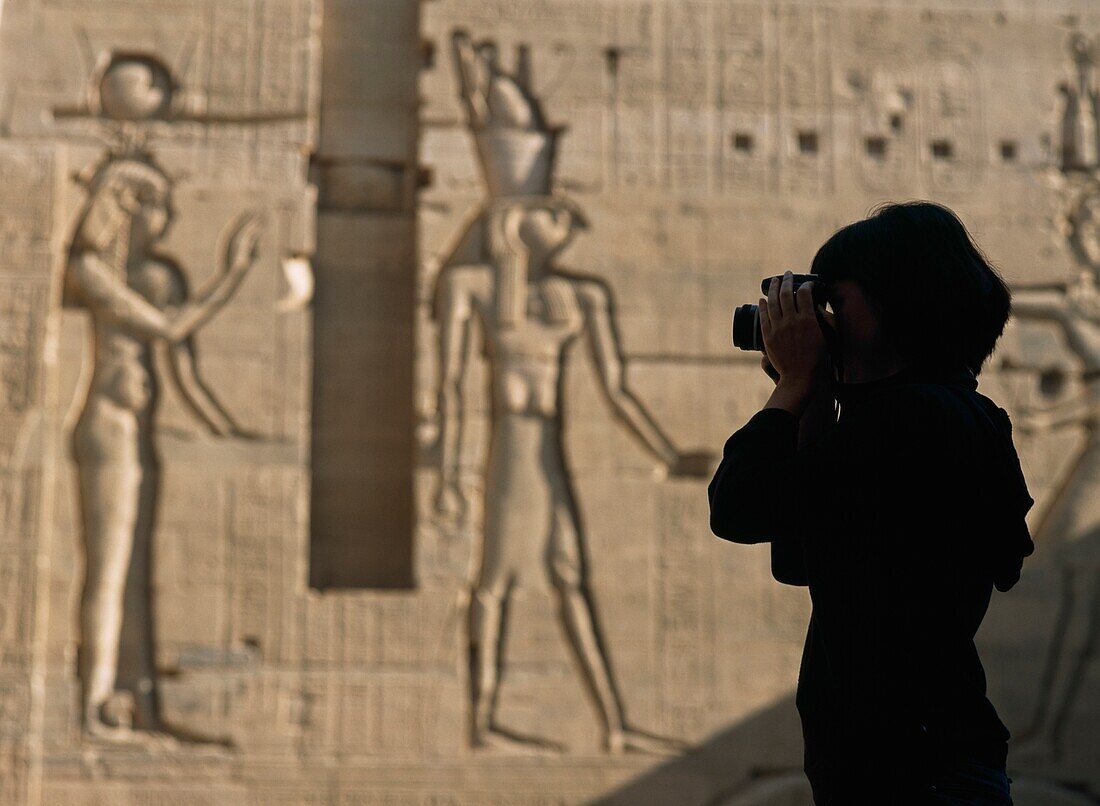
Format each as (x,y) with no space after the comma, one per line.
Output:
(504,274)
(1069,526)
(143,318)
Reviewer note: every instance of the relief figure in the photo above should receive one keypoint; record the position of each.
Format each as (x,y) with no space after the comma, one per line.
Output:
(530,311)
(516,148)
(493,96)
(1080,150)
(142,318)
(1068,528)
(1069,525)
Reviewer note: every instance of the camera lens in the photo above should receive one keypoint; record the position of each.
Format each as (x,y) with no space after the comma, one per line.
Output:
(746,328)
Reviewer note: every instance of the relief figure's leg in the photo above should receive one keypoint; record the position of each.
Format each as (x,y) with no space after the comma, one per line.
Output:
(109,504)
(1067,525)
(486,633)
(517,520)
(137,650)
(487,613)
(566,561)
(1074,645)
(136,653)
(487,623)
(567,572)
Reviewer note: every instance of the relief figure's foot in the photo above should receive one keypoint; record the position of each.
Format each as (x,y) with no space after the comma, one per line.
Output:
(98,730)
(110,719)
(183,735)
(121,720)
(503,740)
(628,740)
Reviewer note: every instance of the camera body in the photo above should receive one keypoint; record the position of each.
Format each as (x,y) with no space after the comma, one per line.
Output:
(746,318)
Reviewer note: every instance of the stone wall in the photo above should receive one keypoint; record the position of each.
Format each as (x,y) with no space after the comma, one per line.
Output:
(344,598)
(710,145)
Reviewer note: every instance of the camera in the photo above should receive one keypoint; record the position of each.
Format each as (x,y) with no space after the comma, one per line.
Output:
(746,318)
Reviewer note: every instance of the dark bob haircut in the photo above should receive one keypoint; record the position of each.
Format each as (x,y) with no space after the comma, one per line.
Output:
(943,305)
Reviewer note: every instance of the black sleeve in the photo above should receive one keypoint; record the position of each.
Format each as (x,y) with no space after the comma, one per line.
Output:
(1004,535)
(754,495)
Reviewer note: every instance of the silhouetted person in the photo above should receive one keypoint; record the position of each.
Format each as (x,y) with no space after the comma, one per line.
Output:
(901,514)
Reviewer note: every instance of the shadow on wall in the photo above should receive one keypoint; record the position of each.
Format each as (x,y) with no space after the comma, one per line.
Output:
(764,749)
(758,762)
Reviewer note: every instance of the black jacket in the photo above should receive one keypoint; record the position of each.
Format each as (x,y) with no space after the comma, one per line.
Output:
(900,519)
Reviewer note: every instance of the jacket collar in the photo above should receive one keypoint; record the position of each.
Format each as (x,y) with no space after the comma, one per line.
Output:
(855,392)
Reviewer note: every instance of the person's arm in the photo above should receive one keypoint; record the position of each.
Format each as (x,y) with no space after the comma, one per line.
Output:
(820,414)
(817,420)
(767,490)
(1009,502)
(764,482)
(983,495)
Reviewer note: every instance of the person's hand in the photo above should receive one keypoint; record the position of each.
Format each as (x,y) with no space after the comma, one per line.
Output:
(793,341)
(769,370)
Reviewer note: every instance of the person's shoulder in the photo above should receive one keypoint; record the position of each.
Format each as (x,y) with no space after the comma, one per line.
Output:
(919,406)
(956,410)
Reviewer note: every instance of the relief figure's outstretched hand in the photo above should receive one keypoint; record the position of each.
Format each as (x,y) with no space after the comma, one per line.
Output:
(693,465)
(241,237)
(244,235)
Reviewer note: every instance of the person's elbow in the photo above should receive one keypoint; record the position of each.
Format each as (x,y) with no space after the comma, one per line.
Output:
(742,492)
(735,530)
(734,517)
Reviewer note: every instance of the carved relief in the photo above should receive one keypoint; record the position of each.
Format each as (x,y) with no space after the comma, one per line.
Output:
(130,87)
(503,272)
(951,120)
(1069,526)
(1080,148)
(885,141)
(144,319)
(515,146)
